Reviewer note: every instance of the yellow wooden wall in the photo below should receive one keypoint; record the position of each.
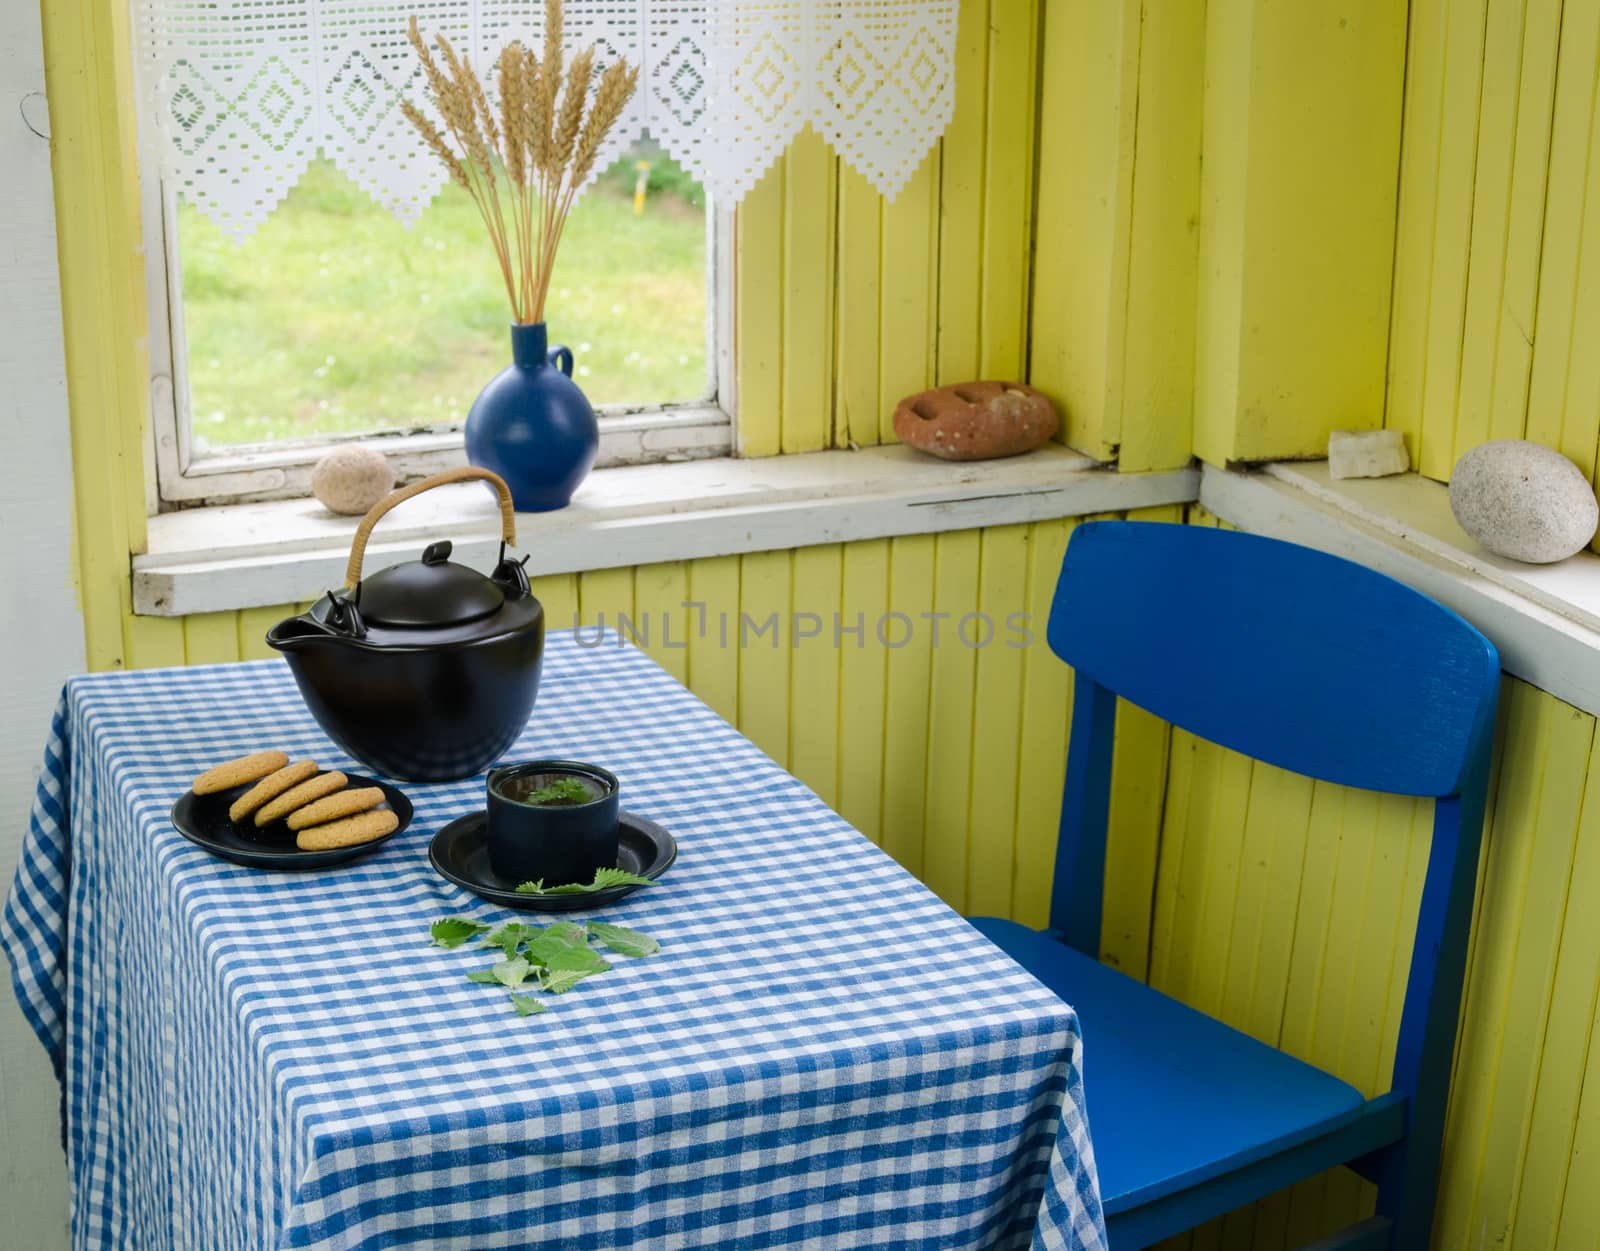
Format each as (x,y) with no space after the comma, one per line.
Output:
(1497,276)
(848,302)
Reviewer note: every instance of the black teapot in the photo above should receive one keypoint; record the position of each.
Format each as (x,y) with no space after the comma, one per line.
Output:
(426,671)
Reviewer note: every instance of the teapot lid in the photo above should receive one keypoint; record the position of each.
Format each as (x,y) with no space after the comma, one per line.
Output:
(428,593)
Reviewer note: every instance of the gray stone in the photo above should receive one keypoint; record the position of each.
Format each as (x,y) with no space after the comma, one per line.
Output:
(1524,501)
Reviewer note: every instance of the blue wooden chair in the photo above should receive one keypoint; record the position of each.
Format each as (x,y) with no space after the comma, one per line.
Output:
(1310,663)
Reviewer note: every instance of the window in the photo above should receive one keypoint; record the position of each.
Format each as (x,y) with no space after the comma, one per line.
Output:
(334,321)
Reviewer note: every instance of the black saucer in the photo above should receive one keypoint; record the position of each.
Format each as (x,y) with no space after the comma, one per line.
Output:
(460,852)
(204,819)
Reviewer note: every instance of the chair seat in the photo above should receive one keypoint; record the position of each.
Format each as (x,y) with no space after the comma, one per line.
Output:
(1174,1097)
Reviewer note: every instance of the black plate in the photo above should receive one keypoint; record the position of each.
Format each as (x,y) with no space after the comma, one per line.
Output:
(460,852)
(204,819)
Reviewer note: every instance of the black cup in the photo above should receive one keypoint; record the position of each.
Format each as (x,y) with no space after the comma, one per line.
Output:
(556,843)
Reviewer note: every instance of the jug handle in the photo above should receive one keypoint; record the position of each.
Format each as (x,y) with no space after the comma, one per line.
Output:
(466,473)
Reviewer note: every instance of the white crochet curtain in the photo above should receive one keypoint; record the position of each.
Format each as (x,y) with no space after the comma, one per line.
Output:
(246,93)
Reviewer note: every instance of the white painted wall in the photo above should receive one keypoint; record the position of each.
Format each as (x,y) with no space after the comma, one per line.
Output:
(41,631)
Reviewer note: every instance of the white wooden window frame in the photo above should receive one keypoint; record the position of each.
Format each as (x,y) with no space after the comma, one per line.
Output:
(176,477)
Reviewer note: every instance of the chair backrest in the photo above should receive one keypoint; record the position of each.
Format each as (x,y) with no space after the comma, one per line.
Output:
(1299,659)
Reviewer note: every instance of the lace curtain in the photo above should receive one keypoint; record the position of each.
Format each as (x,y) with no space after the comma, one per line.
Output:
(245,93)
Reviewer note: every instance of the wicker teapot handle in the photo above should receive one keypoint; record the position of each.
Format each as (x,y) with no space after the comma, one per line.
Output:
(466,473)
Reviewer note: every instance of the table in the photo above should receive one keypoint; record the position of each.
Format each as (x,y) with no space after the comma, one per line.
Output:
(821,1055)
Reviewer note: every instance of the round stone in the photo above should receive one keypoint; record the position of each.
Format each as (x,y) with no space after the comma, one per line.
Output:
(1524,501)
(351,479)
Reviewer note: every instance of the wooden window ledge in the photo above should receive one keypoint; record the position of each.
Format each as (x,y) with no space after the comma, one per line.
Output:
(287,551)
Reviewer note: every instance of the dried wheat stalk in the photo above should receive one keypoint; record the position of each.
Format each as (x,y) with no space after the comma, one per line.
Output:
(525,165)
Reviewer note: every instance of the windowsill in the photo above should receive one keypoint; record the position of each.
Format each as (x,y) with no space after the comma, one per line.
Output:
(286,551)
(1544,619)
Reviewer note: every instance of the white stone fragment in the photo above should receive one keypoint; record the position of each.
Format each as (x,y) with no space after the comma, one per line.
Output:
(1366,453)
(1524,501)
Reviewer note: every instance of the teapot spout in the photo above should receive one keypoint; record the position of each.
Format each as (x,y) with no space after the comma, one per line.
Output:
(299,633)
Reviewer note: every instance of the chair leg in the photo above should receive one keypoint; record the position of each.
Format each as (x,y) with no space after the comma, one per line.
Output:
(1369,1235)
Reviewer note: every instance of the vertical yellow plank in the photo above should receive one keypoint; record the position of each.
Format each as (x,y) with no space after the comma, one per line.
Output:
(1224,835)
(1183,757)
(1138,789)
(252,625)
(659,595)
(1297,223)
(210,638)
(605,598)
(1163,259)
(1580,1209)
(558,596)
(996,728)
(1270,871)
(950,711)
(910,662)
(762,637)
(1419,192)
(1087,113)
(1528,725)
(857,401)
(814,691)
(1525,229)
(714,633)
(810,195)
(1011,126)
(908,287)
(1518,977)
(1570,145)
(1463,78)
(1044,717)
(153,642)
(863,684)
(1503,57)
(1551,1169)
(758,314)
(88,66)
(961,203)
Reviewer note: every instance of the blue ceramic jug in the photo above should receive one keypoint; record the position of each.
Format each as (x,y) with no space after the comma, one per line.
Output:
(533,426)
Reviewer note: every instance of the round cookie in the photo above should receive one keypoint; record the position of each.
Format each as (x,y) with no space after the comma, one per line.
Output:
(270,787)
(343,804)
(299,796)
(238,772)
(362,828)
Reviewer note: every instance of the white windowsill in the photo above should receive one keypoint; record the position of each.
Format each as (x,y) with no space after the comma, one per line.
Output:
(286,551)
(1544,619)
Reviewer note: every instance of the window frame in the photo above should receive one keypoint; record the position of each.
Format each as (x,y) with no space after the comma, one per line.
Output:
(176,478)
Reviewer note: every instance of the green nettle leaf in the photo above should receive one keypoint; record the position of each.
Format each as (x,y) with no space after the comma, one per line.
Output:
(512,972)
(531,888)
(526,1005)
(559,983)
(483,976)
(451,932)
(569,932)
(509,937)
(624,942)
(580,959)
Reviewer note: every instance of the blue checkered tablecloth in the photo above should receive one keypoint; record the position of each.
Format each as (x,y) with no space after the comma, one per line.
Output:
(821,1055)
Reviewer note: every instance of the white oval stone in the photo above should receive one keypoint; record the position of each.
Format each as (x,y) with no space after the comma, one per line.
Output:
(1523,500)
(351,479)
